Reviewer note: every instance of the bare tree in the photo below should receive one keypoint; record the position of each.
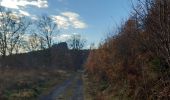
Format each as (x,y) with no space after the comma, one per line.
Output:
(47,29)
(76,42)
(34,42)
(19,47)
(12,27)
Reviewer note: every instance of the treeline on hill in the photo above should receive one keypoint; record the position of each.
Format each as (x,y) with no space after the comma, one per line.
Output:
(58,56)
(135,63)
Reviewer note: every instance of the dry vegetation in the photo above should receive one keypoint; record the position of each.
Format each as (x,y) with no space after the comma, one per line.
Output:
(28,84)
(134,64)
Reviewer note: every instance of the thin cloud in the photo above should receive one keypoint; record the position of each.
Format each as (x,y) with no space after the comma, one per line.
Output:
(62,37)
(20,6)
(62,22)
(24,13)
(17,4)
(69,19)
(74,19)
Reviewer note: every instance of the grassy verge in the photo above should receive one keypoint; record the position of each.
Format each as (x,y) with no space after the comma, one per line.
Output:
(90,91)
(18,84)
(94,90)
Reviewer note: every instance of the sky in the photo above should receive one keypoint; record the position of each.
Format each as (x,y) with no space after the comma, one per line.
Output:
(92,19)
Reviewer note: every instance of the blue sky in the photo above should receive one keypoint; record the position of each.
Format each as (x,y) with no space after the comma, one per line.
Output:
(93,19)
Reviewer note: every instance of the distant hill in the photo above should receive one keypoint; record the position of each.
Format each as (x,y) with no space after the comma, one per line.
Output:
(58,56)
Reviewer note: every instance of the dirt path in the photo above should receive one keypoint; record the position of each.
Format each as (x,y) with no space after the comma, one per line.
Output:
(70,89)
